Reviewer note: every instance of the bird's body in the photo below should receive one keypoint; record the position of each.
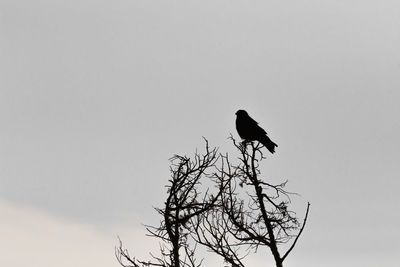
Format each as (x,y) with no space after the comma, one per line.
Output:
(248,129)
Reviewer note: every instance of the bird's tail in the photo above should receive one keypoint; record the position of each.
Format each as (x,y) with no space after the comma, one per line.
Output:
(268,144)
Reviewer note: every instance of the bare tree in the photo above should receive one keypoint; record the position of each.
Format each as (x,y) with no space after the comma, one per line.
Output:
(184,201)
(246,212)
(251,212)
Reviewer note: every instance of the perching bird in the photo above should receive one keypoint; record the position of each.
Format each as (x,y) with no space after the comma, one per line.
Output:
(248,129)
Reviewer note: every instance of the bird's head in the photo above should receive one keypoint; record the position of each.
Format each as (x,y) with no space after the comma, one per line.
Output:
(241,113)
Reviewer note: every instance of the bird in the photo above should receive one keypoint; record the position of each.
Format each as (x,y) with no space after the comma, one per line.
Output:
(249,130)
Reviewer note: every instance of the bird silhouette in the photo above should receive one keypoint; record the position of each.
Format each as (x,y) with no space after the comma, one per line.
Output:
(249,130)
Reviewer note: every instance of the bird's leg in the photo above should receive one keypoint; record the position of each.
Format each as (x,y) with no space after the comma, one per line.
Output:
(244,144)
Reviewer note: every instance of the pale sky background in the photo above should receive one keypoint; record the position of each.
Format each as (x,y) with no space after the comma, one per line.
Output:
(95,96)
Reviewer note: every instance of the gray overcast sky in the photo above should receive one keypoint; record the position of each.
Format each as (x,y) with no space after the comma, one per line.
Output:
(95,96)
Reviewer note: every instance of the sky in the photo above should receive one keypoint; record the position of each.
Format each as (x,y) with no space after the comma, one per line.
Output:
(96,96)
